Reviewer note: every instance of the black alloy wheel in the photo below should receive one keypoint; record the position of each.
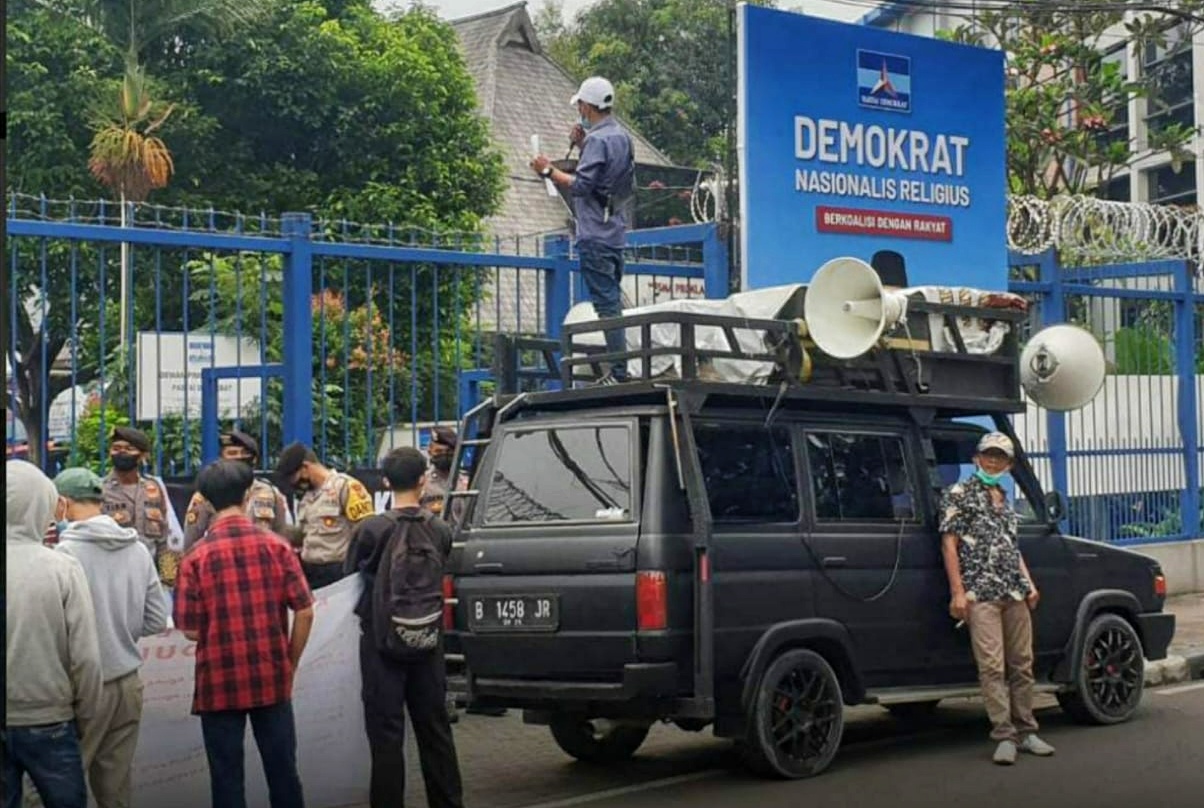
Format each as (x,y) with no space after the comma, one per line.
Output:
(1110,676)
(797,719)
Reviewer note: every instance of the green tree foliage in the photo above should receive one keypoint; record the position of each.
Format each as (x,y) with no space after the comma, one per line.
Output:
(319,105)
(1056,64)
(672,63)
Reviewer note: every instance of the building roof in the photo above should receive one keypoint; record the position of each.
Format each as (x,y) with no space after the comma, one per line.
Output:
(523,92)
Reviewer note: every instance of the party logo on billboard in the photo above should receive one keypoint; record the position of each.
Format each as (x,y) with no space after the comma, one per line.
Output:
(884,81)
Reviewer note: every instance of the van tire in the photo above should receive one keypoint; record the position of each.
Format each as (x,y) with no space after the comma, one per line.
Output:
(595,740)
(798,696)
(1109,675)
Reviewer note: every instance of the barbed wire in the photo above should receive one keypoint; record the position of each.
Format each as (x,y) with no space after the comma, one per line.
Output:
(1082,228)
(1086,229)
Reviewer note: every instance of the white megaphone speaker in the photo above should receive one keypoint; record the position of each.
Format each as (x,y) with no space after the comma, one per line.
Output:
(1062,367)
(847,310)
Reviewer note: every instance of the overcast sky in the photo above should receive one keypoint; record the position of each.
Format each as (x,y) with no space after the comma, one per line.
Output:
(451,9)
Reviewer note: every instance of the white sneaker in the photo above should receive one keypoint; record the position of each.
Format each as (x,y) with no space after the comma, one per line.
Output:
(1035,746)
(1005,753)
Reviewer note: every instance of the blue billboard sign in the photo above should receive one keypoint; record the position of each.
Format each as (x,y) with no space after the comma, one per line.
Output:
(855,140)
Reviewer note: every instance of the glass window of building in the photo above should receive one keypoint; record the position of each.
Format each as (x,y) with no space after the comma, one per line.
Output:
(1118,127)
(1165,186)
(1168,66)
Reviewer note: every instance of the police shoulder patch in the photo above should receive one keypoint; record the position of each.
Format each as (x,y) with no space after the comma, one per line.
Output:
(359,503)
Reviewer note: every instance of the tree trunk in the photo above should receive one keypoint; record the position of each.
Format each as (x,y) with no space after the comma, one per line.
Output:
(125,272)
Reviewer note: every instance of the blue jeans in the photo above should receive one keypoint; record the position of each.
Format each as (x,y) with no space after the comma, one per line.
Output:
(602,270)
(50,755)
(275,735)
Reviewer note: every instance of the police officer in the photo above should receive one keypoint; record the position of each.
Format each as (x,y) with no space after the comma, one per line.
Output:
(441,451)
(332,504)
(140,501)
(266,506)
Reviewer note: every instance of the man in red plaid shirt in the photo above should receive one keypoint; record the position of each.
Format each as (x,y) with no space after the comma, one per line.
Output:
(233,593)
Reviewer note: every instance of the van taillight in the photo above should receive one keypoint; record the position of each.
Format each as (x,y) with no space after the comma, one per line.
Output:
(651,601)
(1160,585)
(449,603)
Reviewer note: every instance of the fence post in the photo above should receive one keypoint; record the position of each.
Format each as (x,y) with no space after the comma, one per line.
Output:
(716,269)
(1053,311)
(1185,369)
(557,284)
(298,330)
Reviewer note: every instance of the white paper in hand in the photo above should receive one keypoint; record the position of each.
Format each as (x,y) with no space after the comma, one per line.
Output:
(547,183)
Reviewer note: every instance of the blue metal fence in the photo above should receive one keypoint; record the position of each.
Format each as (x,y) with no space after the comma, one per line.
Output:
(1130,461)
(349,337)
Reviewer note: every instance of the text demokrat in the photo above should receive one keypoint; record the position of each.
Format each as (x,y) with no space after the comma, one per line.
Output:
(844,143)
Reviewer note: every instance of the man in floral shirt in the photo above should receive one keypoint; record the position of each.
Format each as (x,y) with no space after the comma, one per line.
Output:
(993,593)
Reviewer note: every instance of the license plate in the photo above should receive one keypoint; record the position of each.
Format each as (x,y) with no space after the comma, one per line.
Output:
(514,613)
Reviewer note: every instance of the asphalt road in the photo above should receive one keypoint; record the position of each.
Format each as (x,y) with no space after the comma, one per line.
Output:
(1156,759)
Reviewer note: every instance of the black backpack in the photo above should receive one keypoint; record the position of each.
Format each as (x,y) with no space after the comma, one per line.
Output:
(407,594)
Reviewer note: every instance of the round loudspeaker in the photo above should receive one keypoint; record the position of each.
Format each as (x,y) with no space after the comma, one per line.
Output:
(846,308)
(1062,367)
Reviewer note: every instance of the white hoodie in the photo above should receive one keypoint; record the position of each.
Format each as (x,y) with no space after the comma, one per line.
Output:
(52,671)
(125,589)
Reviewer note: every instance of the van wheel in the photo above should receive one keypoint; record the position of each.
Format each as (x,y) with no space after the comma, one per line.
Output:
(1109,678)
(596,740)
(797,718)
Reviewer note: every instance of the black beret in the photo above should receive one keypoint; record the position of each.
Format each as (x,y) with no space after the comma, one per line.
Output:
(236,437)
(444,436)
(134,437)
(290,462)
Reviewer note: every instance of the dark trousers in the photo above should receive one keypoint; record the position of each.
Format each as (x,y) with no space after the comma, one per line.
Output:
(320,575)
(602,271)
(389,689)
(275,735)
(50,755)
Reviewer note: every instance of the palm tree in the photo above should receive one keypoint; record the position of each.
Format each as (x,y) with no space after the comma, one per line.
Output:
(126,155)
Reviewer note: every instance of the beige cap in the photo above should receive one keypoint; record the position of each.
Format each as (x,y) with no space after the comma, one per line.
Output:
(997,440)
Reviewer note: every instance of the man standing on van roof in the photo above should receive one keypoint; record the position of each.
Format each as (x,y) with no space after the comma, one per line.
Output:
(993,593)
(332,504)
(129,605)
(266,507)
(603,191)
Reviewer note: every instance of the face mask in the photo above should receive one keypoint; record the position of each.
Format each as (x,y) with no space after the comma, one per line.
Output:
(585,123)
(125,462)
(442,462)
(60,527)
(989,479)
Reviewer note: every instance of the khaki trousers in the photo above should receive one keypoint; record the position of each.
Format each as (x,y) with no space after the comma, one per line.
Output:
(109,740)
(1001,633)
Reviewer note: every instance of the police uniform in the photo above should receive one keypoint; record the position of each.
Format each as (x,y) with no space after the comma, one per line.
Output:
(266,506)
(438,482)
(143,506)
(327,516)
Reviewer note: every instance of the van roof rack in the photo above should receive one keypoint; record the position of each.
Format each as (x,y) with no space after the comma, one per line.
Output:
(925,364)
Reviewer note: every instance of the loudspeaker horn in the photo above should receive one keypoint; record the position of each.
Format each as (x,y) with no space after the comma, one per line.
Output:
(1062,367)
(847,310)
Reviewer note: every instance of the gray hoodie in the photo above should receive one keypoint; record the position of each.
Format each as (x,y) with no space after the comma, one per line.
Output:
(125,589)
(52,670)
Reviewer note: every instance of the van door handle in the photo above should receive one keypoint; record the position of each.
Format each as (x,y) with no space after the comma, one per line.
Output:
(835,561)
(491,565)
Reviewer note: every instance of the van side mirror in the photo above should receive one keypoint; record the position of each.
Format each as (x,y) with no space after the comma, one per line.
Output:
(1056,506)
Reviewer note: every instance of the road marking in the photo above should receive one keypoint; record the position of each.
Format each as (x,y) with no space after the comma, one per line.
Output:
(625,790)
(1171,691)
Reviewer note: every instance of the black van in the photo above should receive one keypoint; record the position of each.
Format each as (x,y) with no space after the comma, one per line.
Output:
(756,557)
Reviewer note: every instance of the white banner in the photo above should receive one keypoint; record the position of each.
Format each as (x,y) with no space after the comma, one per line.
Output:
(332,750)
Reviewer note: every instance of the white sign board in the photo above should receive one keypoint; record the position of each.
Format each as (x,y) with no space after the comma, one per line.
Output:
(170,363)
(170,767)
(67,410)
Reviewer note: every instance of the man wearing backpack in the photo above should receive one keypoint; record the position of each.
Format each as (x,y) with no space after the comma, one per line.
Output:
(401,555)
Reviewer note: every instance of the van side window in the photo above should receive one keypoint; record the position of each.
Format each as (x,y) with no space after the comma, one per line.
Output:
(578,473)
(859,478)
(749,473)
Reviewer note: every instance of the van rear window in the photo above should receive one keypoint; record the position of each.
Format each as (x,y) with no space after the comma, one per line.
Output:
(570,474)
